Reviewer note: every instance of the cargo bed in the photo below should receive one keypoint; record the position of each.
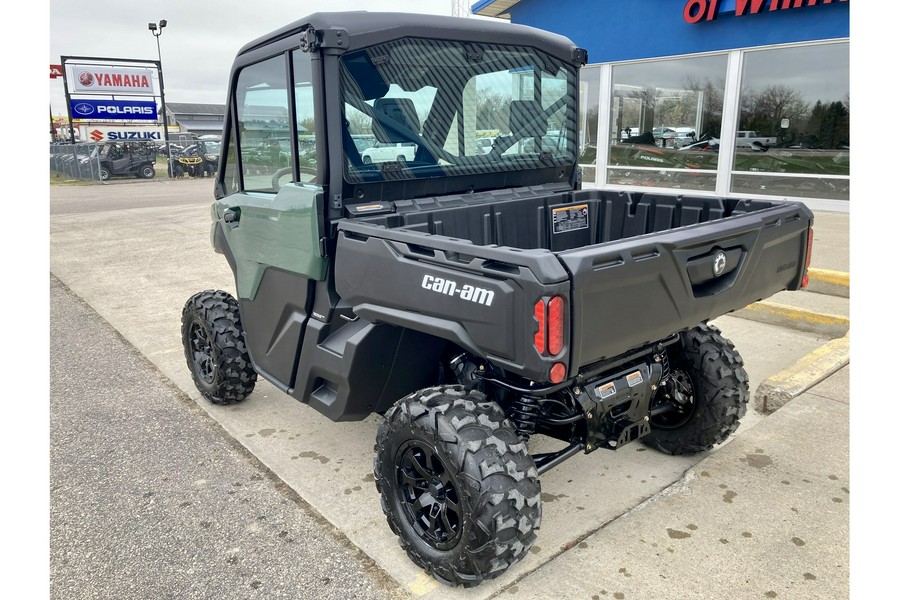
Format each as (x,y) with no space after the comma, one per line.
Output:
(633,268)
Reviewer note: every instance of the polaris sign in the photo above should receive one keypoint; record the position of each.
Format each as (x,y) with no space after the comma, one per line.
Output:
(113,110)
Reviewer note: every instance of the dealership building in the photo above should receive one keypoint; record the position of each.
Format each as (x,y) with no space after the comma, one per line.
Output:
(738,98)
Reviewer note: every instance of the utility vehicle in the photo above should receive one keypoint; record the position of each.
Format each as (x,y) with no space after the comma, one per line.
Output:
(135,159)
(472,299)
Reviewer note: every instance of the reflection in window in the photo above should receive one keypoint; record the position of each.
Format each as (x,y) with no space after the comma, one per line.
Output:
(587,123)
(666,118)
(262,107)
(306,119)
(232,183)
(794,131)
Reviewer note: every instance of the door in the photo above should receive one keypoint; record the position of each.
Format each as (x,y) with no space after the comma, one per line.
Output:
(271,213)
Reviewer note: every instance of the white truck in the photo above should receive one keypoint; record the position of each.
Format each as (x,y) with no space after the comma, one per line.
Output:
(751,139)
(388,151)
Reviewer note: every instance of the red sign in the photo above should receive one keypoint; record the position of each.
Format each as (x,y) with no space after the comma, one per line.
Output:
(707,10)
(56,71)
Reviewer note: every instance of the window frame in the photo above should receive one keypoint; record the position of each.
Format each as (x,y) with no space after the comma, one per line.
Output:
(730,116)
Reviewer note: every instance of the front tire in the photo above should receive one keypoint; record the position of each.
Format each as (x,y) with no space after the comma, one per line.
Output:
(148,172)
(104,174)
(708,376)
(457,484)
(214,347)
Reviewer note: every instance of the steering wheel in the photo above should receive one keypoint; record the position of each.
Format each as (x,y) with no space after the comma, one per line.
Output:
(307,175)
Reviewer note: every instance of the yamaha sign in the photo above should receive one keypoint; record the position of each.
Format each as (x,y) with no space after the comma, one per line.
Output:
(113,110)
(106,80)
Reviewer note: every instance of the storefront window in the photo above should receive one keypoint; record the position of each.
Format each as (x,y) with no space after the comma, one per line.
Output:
(587,123)
(665,122)
(793,136)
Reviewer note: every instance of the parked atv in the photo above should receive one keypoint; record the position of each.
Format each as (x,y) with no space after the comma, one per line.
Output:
(473,299)
(120,159)
(199,159)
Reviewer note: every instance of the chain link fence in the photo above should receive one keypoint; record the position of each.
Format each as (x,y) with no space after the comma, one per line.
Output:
(75,161)
(183,158)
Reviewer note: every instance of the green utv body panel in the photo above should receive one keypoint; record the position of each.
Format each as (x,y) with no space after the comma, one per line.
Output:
(273,230)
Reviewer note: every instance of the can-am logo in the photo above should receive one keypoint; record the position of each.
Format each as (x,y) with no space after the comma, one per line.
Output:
(451,288)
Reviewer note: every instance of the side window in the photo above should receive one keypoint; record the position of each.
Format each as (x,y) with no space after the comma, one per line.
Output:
(263,122)
(232,182)
(306,120)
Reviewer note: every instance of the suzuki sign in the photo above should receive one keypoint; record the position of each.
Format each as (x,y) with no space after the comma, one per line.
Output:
(105,80)
(122,134)
(113,110)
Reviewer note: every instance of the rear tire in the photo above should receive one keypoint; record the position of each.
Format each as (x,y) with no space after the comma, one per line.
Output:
(457,484)
(710,373)
(214,347)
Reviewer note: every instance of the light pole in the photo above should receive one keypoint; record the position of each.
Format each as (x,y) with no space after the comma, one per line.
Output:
(156,30)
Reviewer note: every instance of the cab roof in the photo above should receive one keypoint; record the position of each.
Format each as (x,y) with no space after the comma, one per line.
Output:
(369,28)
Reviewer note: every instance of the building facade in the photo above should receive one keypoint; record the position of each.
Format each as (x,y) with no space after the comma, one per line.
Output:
(739,98)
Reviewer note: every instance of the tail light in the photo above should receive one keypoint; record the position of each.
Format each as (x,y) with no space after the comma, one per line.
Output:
(550,317)
(555,325)
(809,245)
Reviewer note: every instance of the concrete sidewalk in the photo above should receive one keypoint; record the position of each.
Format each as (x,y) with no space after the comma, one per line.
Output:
(764,516)
(136,263)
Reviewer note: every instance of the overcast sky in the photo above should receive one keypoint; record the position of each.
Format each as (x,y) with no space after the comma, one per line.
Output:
(199,42)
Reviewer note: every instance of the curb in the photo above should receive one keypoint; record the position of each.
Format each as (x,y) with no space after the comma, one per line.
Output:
(833,283)
(824,361)
(781,388)
(795,318)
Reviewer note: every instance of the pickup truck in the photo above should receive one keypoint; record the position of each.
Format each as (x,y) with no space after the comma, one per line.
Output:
(473,300)
(751,139)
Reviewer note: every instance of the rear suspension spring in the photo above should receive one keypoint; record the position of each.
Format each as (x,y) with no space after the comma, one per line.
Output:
(524,413)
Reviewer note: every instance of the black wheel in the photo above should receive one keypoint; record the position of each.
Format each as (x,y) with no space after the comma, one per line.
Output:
(148,172)
(214,347)
(708,386)
(104,174)
(457,484)
(177,171)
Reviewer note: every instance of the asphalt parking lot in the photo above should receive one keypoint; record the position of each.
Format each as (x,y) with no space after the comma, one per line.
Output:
(764,516)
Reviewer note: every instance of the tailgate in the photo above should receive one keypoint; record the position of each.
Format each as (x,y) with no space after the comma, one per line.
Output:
(634,291)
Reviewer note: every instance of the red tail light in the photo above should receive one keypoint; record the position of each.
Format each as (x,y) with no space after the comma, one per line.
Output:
(540,338)
(550,317)
(809,245)
(557,373)
(555,325)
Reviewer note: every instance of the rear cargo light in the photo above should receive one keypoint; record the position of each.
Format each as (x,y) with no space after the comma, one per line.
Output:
(557,373)
(555,325)
(540,338)
(809,244)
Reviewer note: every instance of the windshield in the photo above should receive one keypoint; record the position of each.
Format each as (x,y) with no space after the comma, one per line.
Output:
(448,108)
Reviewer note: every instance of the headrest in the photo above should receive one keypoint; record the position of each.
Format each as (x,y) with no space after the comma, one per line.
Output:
(527,119)
(391,112)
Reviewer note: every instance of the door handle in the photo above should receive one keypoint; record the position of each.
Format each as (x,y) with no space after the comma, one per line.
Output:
(232,215)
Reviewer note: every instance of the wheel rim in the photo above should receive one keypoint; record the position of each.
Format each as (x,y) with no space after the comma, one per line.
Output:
(683,412)
(428,495)
(201,354)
